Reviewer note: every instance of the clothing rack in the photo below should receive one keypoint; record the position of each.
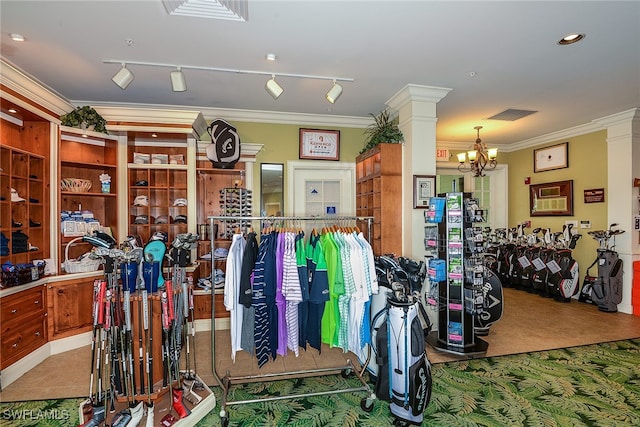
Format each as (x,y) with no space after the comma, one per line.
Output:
(225,382)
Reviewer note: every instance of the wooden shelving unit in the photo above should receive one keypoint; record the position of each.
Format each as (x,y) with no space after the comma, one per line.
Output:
(87,155)
(166,182)
(379,194)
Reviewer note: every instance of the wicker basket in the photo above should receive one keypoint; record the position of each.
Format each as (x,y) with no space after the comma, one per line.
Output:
(74,266)
(75,185)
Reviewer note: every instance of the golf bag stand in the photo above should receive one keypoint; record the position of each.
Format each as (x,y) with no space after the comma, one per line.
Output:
(607,288)
(405,371)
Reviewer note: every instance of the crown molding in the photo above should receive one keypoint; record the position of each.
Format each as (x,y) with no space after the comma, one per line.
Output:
(35,91)
(176,114)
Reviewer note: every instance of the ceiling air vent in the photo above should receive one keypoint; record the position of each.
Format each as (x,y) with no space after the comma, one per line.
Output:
(232,10)
(512,115)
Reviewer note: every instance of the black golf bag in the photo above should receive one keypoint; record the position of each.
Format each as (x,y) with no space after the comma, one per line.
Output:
(404,371)
(606,288)
(562,282)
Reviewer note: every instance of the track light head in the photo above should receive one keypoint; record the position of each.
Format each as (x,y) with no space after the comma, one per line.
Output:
(334,93)
(178,82)
(123,77)
(273,88)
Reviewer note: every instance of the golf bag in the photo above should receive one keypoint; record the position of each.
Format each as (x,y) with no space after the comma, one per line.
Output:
(404,371)
(562,282)
(606,290)
(406,275)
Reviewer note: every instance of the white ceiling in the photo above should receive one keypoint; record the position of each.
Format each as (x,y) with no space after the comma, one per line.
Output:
(510,46)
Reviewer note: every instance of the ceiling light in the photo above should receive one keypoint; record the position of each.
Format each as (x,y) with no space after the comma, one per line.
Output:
(571,38)
(273,88)
(480,157)
(17,37)
(178,83)
(334,93)
(12,110)
(123,77)
(271,57)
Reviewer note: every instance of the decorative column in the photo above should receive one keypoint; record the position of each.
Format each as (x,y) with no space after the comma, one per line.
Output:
(416,106)
(623,165)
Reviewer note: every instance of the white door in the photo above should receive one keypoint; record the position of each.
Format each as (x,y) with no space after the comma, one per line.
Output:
(321,188)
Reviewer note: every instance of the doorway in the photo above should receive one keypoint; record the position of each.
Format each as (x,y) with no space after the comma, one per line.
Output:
(318,188)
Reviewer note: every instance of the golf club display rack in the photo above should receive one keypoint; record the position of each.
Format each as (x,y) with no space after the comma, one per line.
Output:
(141,328)
(460,296)
(225,381)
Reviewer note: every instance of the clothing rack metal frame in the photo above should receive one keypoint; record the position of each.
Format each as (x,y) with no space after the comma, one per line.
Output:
(225,382)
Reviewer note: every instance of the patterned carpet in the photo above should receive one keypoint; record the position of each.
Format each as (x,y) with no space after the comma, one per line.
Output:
(595,385)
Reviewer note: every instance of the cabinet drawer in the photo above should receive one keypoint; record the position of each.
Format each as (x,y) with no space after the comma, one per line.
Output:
(19,339)
(22,304)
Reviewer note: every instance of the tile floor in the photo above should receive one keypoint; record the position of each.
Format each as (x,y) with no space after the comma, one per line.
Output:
(529,323)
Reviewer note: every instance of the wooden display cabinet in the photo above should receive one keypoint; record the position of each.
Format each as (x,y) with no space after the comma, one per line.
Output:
(165,183)
(88,155)
(69,306)
(24,166)
(23,319)
(379,194)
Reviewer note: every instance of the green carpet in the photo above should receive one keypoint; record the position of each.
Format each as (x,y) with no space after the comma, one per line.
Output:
(595,385)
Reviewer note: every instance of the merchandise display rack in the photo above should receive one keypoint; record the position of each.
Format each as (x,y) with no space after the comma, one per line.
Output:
(460,296)
(225,381)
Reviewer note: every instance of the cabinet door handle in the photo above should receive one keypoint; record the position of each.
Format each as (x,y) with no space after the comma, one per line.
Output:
(37,301)
(15,345)
(14,311)
(37,333)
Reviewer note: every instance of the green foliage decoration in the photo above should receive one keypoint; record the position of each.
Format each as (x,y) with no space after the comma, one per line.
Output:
(84,118)
(384,129)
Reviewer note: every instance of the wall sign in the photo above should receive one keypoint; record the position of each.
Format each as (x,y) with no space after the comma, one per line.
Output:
(595,195)
(319,144)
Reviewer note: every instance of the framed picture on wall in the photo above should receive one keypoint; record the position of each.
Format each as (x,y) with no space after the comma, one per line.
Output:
(550,158)
(551,199)
(319,144)
(424,188)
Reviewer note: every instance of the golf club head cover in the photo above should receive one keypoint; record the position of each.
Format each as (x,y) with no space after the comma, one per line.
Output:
(153,254)
(168,420)
(97,418)
(178,405)
(128,273)
(150,416)
(122,419)
(136,414)
(151,276)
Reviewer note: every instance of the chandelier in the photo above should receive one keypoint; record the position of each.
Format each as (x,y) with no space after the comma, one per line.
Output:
(480,158)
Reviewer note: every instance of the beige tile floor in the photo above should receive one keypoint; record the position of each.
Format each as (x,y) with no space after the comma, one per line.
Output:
(529,323)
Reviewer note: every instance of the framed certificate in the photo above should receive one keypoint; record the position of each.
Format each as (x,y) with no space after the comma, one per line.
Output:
(319,144)
(549,158)
(424,188)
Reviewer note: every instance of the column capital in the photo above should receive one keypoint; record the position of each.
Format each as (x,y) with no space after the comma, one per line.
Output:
(417,93)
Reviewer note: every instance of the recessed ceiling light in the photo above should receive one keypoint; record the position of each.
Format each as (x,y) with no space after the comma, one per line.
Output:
(154,135)
(571,38)
(12,110)
(271,56)
(17,37)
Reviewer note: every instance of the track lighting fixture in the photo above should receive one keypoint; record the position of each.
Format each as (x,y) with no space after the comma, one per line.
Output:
(178,83)
(123,77)
(273,88)
(334,93)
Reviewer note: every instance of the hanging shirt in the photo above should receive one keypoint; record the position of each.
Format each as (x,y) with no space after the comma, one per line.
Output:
(330,317)
(303,277)
(318,290)
(232,289)
(247,339)
(291,291)
(280,301)
(259,302)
